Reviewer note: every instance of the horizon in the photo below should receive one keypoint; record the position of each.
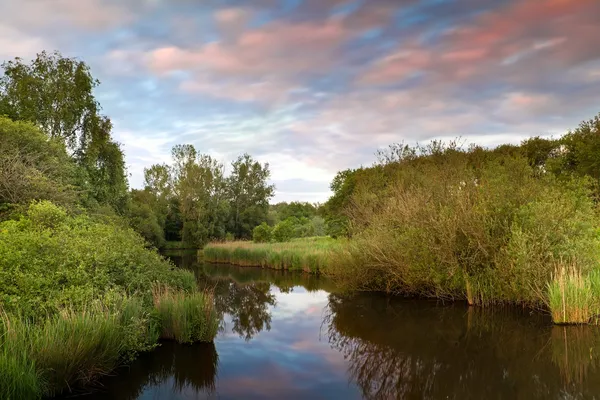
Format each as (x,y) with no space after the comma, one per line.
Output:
(317,86)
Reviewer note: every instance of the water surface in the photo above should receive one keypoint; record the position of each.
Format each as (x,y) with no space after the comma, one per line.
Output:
(291,336)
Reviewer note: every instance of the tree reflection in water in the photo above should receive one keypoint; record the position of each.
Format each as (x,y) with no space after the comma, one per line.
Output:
(416,349)
(190,368)
(247,305)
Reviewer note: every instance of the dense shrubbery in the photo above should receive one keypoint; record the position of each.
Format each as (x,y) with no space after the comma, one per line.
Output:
(288,229)
(48,260)
(483,225)
(77,299)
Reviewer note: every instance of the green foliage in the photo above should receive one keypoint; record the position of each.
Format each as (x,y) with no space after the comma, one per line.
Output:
(284,231)
(78,300)
(33,166)
(281,211)
(471,224)
(143,219)
(56,94)
(262,233)
(49,260)
(249,195)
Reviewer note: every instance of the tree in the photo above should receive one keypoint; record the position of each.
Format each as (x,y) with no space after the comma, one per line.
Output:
(56,94)
(249,194)
(199,183)
(33,166)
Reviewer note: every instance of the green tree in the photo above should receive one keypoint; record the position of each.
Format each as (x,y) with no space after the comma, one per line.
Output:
(249,194)
(33,166)
(199,183)
(56,94)
(284,230)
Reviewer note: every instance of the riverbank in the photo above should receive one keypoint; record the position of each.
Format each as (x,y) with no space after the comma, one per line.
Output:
(569,297)
(312,255)
(79,297)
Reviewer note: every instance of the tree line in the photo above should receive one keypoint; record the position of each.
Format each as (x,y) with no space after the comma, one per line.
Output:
(57,145)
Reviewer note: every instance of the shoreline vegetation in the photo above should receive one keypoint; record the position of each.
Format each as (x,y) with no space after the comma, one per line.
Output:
(84,289)
(312,255)
(80,297)
(517,224)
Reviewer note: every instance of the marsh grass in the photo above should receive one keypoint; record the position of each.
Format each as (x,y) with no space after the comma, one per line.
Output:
(71,348)
(574,298)
(313,254)
(19,378)
(68,349)
(185,317)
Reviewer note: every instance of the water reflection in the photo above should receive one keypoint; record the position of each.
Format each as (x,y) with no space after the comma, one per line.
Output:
(292,336)
(417,349)
(170,371)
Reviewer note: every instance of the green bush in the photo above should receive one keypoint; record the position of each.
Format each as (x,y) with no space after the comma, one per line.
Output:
(262,233)
(284,231)
(466,225)
(49,260)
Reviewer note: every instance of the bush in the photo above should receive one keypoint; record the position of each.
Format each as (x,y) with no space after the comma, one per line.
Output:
(284,231)
(262,233)
(77,297)
(49,260)
(466,225)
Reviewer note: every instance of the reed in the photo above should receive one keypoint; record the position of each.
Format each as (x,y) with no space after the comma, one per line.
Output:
(574,298)
(312,255)
(185,317)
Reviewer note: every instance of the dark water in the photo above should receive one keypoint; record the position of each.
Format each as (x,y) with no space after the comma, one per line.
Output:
(287,336)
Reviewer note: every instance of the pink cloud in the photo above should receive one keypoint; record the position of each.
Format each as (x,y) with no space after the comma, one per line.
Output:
(562,30)
(277,48)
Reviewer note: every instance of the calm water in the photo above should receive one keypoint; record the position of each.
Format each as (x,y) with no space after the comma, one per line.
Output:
(287,336)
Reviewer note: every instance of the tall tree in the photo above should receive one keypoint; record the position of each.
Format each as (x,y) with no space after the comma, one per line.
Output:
(56,94)
(249,195)
(199,184)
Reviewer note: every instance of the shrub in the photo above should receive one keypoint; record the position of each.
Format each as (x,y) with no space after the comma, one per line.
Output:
(262,233)
(49,260)
(437,226)
(284,230)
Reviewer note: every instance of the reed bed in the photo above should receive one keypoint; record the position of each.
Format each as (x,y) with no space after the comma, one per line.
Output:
(185,317)
(313,255)
(574,298)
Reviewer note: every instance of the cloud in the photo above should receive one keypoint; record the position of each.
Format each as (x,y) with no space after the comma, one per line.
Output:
(87,14)
(315,86)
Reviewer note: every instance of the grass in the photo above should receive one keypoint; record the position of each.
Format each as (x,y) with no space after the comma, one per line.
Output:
(55,353)
(313,254)
(185,317)
(574,298)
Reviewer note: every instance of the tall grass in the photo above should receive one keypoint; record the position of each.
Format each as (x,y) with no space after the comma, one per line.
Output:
(71,348)
(65,350)
(574,298)
(19,378)
(307,254)
(185,317)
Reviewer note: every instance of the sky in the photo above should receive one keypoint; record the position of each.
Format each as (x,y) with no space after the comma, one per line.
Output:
(317,86)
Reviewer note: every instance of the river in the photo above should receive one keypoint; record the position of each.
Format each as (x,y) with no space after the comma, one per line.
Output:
(293,336)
